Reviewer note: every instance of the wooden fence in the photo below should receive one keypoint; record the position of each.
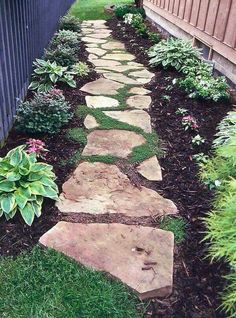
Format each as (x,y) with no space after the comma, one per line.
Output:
(26,27)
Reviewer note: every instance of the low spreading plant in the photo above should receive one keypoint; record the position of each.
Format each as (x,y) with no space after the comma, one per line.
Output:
(66,37)
(121,10)
(200,158)
(198,140)
(47,74)
(181,111)
(45,113)
(189,122)
(80,69)
(154,37)
(24,183)
(71,23)
(63,55)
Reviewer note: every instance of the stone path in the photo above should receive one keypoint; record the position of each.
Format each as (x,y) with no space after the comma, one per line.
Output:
(141,257)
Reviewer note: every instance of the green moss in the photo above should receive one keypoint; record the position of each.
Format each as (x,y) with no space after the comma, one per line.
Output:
(78,135)
(106,159)
(175,225)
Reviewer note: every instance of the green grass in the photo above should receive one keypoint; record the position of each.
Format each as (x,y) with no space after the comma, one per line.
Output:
(46,284)
(94,9)
(77,134)
(175,225)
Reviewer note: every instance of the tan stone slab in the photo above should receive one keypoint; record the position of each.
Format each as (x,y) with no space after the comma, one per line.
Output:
(87,30)
(114,142)
(101,102)
(143,80)
(99,188)
(120,250)
(120,68)
(92,57)
(92,40)
(101,63)
(113,45)
(139,91)
(102,86)
(101,71)
(136,117)
(121,78)
(90,122)
(150,169)
(135,64)
(91,45)
(139,101)
(96,22)
(96,51)
(99,35)
(142,73)
(119,57)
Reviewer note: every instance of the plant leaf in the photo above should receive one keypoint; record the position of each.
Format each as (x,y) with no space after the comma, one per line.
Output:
(7,186)
(28,213)
(7,203)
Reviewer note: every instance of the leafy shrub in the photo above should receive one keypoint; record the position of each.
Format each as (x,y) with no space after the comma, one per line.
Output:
(121,10)
(45,113)
(226,129)
(66,37)
(70,23)
(142,30)
(80,69)
(24,183)
(47,74)
(154,37)
(172,53)
(62,55)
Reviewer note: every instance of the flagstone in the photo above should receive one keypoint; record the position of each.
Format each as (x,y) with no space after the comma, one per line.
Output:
(135,64)
(114,142)
(121,78)
(119,57)
(92,40)
(150,169)
(120,68)
(101,102)
(139,91)
(113,45)
(92,57)
(138,118)
(96,51)
(99,35)
(92,45)
(90,122)
(102,86)
(99,188)
(142,73)
(139,101)
(123,251)
(101,62)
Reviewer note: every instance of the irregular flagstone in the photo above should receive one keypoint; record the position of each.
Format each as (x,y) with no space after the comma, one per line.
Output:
(96,51)
(139,91)
(137,118)
(101,102)
(92,57)
(92,40)
(102,86)
(87,30)
(119,57)
(135,64)
(113,45)
(150,169)
(120,68)
(102,63)
(142,73)
(99,188)
(101,71)
(92,45)
(143,80)
(90,122)
(99,35)
(114,142)
(121,78)
(139,101)
(123,251)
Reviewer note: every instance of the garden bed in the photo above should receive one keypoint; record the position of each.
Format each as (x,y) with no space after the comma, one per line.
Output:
(197,282)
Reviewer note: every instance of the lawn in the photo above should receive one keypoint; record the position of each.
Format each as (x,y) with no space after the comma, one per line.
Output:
(46,284)
(94,9)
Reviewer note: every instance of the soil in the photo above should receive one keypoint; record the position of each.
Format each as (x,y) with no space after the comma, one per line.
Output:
(197,281)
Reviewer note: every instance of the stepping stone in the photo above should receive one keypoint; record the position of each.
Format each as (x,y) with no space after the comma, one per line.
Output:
(150,169)
(92,40)
(101,102)
(99,35)
(120,68)
(139,101)
(87,30)
(143,80)
(99,188)
(139,91)
(96,22)
(92,45)
(114,142)
(101,71)
(122,251)
(135,64)
(108,63)
(137,118)
(96,51)
(121,78)
(92,57)
(90,122)
(143,74)
(102,86)
(113,45)
(119,57)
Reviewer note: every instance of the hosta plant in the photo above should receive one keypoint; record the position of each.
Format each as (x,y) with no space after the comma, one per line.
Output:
(47,74)
(121,10)
(198,140)
(66,37)
(80,69)
(24,183)
(71,23)
(63,55)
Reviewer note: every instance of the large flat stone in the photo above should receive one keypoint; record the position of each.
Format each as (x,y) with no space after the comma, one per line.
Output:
(135,117)
(101,63)
(96,51)
(142,73)
(139,91)
(101,102)
(120,68)
(102,86)
(90,122)
(113,142)
(121,78)
(139,101)
(119,57)
(99,35)
(113,45)
(92,45)
(150,169)
(92,40)
(99,188)
(141,257)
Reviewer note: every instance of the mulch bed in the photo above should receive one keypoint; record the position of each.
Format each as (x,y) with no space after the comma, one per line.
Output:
(197,282)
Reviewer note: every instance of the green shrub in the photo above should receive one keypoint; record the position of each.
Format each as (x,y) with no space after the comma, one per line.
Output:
(63,55)
(70,23)
(24,183)
(121,10)
(80,69)
(47,74)
(172,53)
(66,37)
(45,113)
(226,129)
(154,37)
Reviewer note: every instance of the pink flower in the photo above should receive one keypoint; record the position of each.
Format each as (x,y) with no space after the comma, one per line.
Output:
(189,122)
(36,146)
(55,91)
